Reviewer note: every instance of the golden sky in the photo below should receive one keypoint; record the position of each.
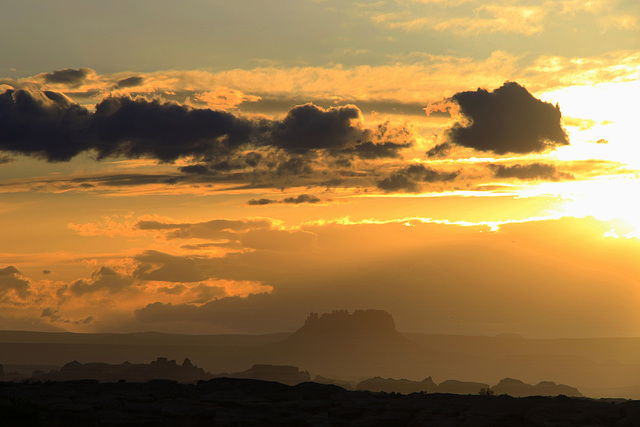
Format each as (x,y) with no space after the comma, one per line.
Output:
(469,166)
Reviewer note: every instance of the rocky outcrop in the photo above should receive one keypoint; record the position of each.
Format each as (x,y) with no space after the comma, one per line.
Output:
(390,385)
(161,368)
(508,386)
(518,388)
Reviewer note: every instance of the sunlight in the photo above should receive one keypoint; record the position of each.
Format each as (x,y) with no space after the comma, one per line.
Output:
(607,200)
(599,121)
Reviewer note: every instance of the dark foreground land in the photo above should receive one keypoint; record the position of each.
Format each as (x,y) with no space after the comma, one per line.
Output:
(242,402)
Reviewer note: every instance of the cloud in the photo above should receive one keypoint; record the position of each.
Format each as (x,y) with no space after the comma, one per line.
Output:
(308,127)
(129,82)
(104,279)
(411,178)
(224,98)
(440,150)
(213,230)
(49,125)
(164,267)
(68,77)
(507,120)
(527,20)
(582,124)
(139,128)
(11,281)
(42,124)
(232,312)
(300,199)
(533,171)
(6,159)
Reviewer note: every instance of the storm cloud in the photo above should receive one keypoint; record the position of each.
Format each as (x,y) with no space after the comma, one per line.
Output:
(507,120)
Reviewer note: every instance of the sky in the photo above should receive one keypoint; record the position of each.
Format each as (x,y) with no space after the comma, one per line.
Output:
(471,167)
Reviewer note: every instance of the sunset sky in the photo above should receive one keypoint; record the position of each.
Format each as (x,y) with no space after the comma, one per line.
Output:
(471,167)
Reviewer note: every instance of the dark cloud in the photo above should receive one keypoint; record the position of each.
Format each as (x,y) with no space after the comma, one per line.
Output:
(68,76)
(261,202)
(440,150)
(533,171)
(411,178)
(198,169)
(104,279)
(302,198)
(129,82)
(308,127)
(42,124)
(6,159)
(507,120)
(46,271)
(369,150)
(50,126)
(165,131)
(51,314)
(11,280)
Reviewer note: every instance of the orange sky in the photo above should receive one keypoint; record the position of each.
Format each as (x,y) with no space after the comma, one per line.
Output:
(467,166)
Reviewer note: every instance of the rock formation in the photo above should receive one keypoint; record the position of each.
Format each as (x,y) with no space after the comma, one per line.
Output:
(390,385)
(161,368)
(517,388)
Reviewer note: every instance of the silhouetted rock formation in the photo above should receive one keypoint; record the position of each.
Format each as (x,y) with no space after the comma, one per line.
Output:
(1,371)
(161,368)
(517,388)
(510,386)
(390,385)
(289,375)
(461,387)
(235,402)
(361,343)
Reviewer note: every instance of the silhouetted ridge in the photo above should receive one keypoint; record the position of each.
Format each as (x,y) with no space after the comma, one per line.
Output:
(161,368)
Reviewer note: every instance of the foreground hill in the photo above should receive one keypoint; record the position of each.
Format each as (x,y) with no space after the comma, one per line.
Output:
(232,402)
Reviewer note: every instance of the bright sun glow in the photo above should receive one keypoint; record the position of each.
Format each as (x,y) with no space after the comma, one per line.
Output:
(607,200)
(599,122)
